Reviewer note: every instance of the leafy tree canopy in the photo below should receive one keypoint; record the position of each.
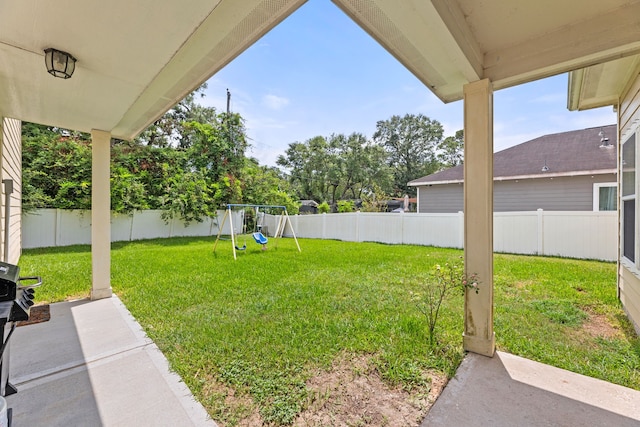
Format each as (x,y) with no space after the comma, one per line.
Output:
(189,163)
(451,150)
(411,142)
(334,168)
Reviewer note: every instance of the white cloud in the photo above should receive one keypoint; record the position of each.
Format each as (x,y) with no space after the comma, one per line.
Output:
(274,102)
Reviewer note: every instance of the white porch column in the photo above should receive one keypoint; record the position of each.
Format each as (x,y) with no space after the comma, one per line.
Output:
(100,214)
(478,215)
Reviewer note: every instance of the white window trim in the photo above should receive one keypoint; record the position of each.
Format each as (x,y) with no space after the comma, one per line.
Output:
(636,226)
(596,193)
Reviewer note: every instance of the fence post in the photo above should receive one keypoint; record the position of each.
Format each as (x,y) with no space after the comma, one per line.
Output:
(402,227)
(133,217)
(461,229)
(540,233)
(57,229)
(324,225)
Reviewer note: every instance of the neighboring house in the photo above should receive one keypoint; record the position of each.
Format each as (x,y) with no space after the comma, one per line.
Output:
(569,171)
(617,83)
(308,207)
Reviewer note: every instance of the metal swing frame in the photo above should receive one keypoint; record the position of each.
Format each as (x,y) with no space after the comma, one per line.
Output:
(283,220)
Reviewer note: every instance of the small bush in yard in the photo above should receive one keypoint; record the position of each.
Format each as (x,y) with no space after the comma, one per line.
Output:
(443,280)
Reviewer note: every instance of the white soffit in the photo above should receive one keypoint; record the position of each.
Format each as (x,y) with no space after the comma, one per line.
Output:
(136,59)
(447,43)
(601,85)
(416,34)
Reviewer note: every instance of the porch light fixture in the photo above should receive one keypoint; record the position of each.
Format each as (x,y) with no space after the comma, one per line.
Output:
(604,141)
(59,64)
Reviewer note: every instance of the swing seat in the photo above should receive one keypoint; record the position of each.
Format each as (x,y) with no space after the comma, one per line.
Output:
(260,238)
(242,248)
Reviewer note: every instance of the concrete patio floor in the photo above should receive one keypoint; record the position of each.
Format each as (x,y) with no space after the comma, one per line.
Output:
(92,365)
(508,391)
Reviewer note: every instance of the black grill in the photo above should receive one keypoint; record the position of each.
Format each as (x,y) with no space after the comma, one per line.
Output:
(15,303)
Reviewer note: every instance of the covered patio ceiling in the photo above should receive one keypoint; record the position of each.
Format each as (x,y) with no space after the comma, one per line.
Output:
(137,59)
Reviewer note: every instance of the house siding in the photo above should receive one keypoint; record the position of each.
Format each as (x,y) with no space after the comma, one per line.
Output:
(629,274)
(444,198)
(629,285)
(552,194)
(11,146)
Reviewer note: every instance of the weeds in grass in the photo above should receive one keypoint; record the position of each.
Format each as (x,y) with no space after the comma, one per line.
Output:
(560,311)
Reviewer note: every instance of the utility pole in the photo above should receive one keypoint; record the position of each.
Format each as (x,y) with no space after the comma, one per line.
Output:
(230,126)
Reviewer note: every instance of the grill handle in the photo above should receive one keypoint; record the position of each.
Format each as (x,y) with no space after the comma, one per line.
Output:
(31,286)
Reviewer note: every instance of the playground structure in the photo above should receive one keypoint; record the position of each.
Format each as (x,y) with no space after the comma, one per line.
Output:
(257,233)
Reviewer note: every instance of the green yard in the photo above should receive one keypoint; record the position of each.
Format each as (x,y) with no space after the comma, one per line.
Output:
(259,327)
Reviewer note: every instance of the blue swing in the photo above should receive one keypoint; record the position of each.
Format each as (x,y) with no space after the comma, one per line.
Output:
(260,238)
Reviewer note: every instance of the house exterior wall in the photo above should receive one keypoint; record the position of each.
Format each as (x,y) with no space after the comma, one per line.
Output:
(629,270)
(551,194)
(11,169)
(445,198)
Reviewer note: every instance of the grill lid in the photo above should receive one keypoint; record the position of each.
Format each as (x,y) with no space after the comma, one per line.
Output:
(9,274)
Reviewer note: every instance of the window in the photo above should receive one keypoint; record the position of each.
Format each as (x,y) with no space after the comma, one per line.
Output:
(629,198)
(605,196)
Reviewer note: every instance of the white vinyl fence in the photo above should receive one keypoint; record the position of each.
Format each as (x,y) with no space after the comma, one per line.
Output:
(58,227)
(590,235)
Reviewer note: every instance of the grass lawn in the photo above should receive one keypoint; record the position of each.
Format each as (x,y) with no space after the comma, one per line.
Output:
(262,326)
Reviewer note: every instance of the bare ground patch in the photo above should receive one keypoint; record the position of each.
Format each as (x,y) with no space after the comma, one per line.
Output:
(598,325)
(353,394)
(238,409)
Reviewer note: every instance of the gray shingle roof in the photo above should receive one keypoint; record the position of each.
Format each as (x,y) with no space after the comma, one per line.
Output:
(568,153)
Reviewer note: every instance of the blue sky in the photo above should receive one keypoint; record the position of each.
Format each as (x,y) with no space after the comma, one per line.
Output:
(318,73)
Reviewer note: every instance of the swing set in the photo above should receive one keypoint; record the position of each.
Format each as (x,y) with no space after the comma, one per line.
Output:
(257,234)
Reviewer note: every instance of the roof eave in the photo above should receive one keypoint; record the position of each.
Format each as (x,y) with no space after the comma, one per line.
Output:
(517,177)
(601,85)
(206,52)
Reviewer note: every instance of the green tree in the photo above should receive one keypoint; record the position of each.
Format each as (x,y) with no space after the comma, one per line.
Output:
(346,206)
(335,168)
(168,130)
(324,208)
(411,142)
(263,185)
(150,167)
(188,163)
(56,169)
(451,150)
(189,197)
(307,164)
(355,166)
(375,200)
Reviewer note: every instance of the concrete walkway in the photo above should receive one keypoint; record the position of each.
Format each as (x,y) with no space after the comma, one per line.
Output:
(508,391)
(92,365)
